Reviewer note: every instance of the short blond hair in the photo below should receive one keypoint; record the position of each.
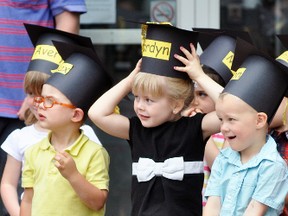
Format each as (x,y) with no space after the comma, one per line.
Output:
(33,83)
(175,88)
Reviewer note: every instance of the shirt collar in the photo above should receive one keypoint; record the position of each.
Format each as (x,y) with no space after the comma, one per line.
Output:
(267,152)
(74,149)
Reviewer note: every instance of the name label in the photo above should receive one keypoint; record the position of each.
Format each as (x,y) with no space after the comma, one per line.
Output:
(46,52)
(237,75)
(156,49)
(63,68)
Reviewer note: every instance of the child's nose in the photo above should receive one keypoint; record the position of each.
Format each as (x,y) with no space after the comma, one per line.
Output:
(41,105)
(140,104)
(224,127)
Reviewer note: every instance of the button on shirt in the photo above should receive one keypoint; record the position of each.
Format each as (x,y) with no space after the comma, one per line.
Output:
(263,178)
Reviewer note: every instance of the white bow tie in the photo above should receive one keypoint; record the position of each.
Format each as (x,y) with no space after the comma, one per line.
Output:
(172,168)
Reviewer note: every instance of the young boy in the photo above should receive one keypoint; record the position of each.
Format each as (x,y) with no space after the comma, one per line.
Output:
(66,173)
(249,177)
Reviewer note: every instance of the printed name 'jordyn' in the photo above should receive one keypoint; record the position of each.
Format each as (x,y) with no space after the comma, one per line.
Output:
(156,49)
(48,53)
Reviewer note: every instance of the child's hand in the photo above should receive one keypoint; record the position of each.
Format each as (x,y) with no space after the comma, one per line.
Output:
(191,62)
(65,164)
(189,112)
(135,71)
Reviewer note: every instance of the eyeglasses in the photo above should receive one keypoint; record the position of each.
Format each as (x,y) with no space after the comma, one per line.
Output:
(48,102)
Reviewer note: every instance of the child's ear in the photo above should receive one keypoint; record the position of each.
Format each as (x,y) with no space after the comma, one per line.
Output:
(78,115)
(178,107)
(261,120)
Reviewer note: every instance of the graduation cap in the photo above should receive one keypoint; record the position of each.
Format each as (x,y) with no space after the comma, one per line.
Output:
(45,57)
(218,49)
(283,57)
(81,77)
(259,80)
(159,44)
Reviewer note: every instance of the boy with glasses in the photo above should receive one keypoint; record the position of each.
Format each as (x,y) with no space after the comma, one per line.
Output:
(66,173)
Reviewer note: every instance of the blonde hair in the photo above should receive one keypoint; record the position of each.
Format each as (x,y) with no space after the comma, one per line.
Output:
(158,86)
(33,83)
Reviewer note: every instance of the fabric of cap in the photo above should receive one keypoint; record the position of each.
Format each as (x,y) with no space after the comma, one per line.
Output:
(219,56)
(85,80)
(259,80)
(283,57)
(45,57)
(159,44)
(218,49)
(207,35)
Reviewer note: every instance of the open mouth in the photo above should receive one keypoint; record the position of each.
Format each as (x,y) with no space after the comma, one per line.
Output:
(41,117)
(142,116)
(230,137)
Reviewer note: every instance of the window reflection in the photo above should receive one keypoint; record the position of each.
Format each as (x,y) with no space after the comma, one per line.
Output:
(261,18)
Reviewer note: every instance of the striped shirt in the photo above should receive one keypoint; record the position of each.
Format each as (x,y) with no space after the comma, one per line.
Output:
(15,46)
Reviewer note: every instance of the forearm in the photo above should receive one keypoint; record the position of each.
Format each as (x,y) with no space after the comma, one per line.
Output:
(211,152)
(255,208)
(26,203)
(102,111)
(10,199)
(91,196)
(106,104)
(68,21)
(212,88)
(25,209)
(9,184)
(212,207)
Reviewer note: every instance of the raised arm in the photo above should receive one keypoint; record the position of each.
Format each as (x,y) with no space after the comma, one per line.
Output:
(210,123)
(102,113)
(194,70)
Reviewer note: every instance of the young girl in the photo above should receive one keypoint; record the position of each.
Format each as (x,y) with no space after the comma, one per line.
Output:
(171,145)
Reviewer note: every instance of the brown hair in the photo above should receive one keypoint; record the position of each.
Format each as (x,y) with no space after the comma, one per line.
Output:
(213,75)
(33,83)
(176,89)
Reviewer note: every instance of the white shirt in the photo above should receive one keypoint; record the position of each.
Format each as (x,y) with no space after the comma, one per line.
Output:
(20,139)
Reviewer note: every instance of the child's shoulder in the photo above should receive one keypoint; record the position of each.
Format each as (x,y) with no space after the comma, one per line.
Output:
(91,145)
(23,131)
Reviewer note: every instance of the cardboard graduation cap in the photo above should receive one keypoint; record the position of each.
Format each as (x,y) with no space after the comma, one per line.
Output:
(81,77)
(45,57)
(219,48)
(259,80)
(159,44)
(283,58)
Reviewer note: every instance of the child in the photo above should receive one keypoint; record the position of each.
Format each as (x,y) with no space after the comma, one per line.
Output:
(217,57)
(68,190)
(250,178)
(19,140)
(279,125)
(167,149)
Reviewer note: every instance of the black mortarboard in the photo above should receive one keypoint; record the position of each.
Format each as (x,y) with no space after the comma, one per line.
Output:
(259,80)
(81,77)
(159,44)
(45,57)
(283,58)
(218,49)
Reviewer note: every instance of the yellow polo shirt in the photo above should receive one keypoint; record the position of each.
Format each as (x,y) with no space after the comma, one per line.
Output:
(53,194)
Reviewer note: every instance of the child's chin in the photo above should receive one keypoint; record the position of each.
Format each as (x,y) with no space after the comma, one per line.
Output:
(148,124)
